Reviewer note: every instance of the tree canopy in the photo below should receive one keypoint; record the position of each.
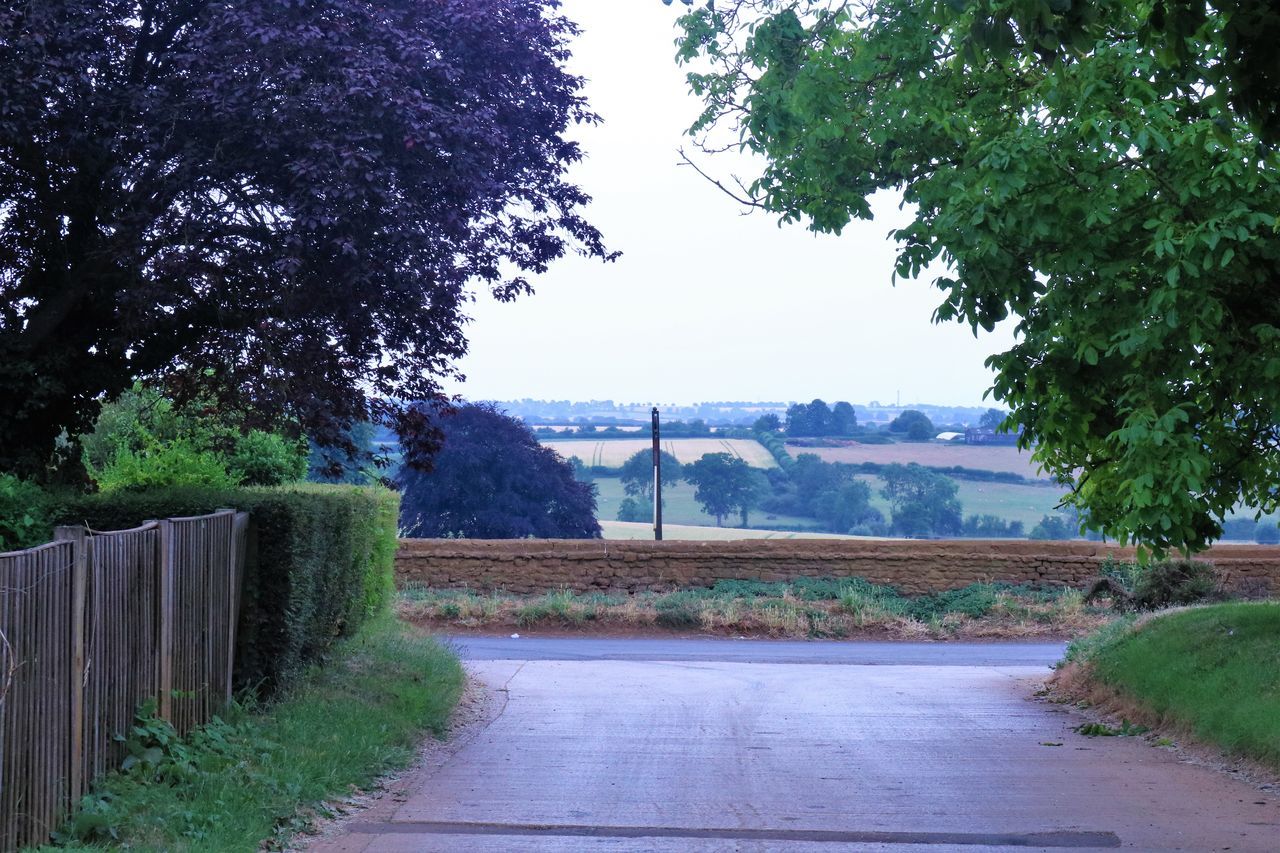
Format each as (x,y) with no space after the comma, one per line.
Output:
(723,485)
(915,424)
(491,479)
(637,473)
(276,204)
(924,503)
(1101,172)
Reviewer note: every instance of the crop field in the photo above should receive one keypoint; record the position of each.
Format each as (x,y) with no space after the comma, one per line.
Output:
(1010,501)
(689,532)
(680,508)
(1009,459)
(612,453)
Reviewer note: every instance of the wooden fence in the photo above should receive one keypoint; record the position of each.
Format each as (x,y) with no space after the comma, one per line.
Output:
(91,626)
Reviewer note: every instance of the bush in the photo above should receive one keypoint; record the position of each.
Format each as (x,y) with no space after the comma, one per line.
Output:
(320,562)
(1175,582)
(266,459)
(175,464)
(24,514)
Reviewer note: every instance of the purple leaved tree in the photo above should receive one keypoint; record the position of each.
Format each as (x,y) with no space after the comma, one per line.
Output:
(276,205)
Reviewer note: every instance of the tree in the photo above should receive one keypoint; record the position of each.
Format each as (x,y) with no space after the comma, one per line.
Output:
(916,425)
(1053,527)
(492,480)
(924,503)
(637,473)
(809,419)
(632,509)
(276,205)
(844,420)
(723,484)
(846,507)
(1093,170)
(767,423)
(992,419)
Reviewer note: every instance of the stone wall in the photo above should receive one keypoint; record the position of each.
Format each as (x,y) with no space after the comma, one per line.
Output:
(913,566)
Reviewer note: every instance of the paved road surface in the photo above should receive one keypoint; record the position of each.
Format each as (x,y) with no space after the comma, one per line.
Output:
(698,751)
(758,651)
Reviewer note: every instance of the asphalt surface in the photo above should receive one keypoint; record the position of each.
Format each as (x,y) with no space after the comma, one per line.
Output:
(895,747)
(757,651)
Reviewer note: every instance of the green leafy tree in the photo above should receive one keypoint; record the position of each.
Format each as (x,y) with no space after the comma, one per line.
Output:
(992,419)
(923,502)
(1096,170)
(844,420)
(847,506)
(767,423)
(916,425)
(723,485)
(637,473)
(635,509)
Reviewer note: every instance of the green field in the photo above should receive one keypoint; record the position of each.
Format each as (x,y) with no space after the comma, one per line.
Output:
(612,453)
(680,508)
(688,532)
(1010,501)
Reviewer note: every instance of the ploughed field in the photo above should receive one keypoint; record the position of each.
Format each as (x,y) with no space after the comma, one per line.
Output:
(942,455)
(612,453)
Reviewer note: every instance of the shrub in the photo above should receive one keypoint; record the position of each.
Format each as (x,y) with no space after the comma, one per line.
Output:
(24,514)
(320,562)
(266,459)
(1175,582)
(177,463)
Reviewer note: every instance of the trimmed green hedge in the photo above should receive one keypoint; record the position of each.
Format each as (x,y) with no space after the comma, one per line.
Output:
(320,562)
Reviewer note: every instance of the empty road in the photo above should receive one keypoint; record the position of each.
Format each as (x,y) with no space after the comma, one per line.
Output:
(708,745)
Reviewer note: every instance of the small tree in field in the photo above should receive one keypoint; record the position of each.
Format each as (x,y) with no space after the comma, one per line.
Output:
(637,473)
(723,485)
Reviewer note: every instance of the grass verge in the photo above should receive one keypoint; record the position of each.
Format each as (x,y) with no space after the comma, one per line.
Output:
(254,778)
(1212,672)
(809,607)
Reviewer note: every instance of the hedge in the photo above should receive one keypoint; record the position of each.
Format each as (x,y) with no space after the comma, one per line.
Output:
(319,563)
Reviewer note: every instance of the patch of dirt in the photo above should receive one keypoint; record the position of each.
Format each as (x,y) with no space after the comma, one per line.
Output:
(478,707)
(1074,685)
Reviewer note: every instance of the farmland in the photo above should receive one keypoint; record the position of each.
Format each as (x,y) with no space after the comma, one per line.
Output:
(613,453)
(688,532)
(1010,501)
(1008,459)
(679,507)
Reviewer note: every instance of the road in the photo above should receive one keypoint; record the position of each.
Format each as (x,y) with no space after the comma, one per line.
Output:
(708,745)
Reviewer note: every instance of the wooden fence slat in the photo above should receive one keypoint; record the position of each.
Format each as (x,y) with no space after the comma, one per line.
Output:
(90,626)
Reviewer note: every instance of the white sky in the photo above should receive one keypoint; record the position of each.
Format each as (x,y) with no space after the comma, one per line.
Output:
(705,303)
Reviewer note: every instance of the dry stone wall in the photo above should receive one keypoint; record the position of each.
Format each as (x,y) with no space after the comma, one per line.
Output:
(914,567)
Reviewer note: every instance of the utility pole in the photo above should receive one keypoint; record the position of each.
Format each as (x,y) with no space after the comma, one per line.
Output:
(657,480)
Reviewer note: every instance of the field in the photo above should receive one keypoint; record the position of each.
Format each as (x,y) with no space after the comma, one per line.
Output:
(1010,501)
(688,532)
(680,508)
(1009,459)
(612,453)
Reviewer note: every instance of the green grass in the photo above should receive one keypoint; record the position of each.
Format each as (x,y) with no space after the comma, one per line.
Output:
(256,777)
(1215,670)
(804,607)
(1010,501)
(681,508)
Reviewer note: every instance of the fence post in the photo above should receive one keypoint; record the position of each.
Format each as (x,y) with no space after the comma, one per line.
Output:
(164,672)
(78,536)
(235,570)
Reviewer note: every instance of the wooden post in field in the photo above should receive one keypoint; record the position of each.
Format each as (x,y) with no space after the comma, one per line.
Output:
(657,479)
(80,562)
(166,617)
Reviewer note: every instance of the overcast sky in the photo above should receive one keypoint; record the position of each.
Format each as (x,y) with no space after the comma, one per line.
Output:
(705,303)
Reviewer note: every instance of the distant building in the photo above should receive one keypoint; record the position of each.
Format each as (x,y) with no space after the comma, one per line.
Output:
(986,435)
(949,436)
